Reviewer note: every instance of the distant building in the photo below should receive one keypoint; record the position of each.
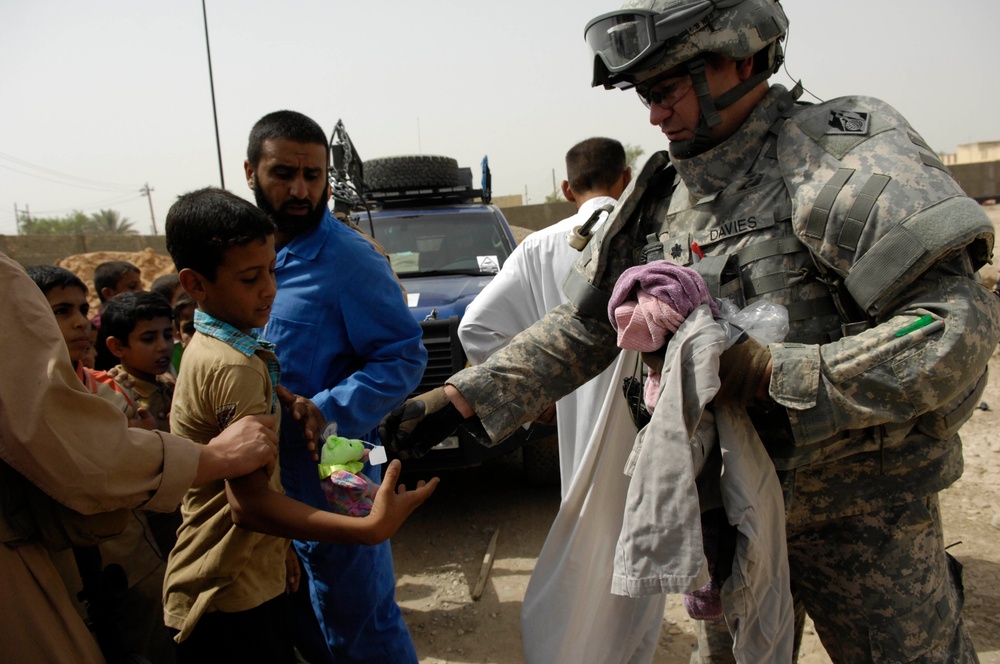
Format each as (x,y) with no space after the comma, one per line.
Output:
(508,201)
(972,153)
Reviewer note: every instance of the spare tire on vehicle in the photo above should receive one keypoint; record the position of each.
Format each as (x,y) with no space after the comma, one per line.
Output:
(388,173)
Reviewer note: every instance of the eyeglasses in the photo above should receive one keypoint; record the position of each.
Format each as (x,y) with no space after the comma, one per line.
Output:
(666,93)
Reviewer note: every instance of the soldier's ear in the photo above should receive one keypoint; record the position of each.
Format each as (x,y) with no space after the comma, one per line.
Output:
(744,68)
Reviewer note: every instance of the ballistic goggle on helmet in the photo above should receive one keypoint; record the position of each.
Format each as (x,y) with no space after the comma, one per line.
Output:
(648,37)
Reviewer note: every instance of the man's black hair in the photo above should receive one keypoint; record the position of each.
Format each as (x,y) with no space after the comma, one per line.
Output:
(288,125)
(203,224)
(107,275)
(124,311)
(47,277)
(594,164)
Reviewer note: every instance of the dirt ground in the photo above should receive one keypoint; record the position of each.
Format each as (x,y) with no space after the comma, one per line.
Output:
(439,554)
(440,550)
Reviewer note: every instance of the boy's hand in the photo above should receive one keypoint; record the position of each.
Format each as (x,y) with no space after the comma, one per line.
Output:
(127,383)
(307,413)
(121,377)
(391,507)
(143,420)
(292,571)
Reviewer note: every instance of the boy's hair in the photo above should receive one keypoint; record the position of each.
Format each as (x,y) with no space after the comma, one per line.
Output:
(107,275)
(594,164)
(47,277)
(288,125)
(166,285)
(123,311)
(203,224)
(182,302)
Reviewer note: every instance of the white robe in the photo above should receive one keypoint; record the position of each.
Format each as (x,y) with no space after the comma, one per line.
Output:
(569,614)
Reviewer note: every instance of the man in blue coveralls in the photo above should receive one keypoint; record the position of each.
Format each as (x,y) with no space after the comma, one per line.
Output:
(346,340)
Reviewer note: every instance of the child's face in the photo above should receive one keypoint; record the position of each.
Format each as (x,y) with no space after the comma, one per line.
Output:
(150,347)
(69,304)
(184,326)
(244,287)
(130,283)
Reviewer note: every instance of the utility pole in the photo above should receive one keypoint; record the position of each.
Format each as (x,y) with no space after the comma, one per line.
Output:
(211,84)
(17,219)
(147,192)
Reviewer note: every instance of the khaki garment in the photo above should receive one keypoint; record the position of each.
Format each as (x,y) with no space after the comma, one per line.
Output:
(154,396)
(216,566)
(77,448)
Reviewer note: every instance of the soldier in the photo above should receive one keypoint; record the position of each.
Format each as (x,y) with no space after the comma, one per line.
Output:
(838,211)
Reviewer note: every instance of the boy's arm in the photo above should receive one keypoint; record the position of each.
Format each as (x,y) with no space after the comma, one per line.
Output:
(256,507)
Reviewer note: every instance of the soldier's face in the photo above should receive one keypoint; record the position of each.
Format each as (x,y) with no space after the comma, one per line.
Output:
(679,121)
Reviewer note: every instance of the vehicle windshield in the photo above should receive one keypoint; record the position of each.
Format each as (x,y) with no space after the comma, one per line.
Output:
(450,243)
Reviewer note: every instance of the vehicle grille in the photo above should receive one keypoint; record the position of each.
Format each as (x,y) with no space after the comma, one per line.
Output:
(445,355)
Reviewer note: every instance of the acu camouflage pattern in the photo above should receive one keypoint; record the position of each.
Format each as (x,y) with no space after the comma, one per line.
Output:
(736,32)
(868,420)
(904,600)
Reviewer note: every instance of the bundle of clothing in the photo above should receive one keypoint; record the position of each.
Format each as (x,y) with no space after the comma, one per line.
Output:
(665,311)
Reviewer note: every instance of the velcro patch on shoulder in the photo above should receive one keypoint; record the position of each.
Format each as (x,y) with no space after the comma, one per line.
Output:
(850,123)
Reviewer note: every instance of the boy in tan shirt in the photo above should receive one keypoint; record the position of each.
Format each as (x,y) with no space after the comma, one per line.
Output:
(225,584)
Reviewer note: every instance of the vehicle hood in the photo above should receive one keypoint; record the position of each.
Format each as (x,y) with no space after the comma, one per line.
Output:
(448,295)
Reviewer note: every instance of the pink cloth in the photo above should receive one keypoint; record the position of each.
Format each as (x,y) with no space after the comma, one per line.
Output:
(645,325)
(649,303)
(679,289)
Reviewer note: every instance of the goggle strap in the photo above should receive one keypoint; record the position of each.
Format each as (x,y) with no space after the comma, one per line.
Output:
(727,98)
(696,68)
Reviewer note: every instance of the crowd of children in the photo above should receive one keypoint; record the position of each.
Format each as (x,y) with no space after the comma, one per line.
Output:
(214,574)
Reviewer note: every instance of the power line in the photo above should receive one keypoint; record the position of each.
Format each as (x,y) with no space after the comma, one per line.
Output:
(94,206)
(64,182)
(80,182)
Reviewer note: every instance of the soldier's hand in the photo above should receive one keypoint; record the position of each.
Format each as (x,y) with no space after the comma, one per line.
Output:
(414,428)
(745,372)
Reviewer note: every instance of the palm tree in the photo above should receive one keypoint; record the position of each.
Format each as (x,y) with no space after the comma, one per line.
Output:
(110,222)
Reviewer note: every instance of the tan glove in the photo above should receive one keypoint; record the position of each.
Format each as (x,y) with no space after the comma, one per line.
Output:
(422,422)
(745,372)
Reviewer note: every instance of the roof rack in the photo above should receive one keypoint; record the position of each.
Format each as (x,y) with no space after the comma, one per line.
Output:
(420,196)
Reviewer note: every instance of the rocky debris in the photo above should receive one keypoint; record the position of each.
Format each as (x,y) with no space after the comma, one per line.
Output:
(150,263)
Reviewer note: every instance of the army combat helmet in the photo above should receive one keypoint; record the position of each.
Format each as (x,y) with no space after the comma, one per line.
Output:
(647,39)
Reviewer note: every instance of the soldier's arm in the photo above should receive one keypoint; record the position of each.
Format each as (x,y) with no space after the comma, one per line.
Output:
(929,355)
(547,361)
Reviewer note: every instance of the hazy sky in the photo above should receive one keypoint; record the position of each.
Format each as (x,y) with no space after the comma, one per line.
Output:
(101,97)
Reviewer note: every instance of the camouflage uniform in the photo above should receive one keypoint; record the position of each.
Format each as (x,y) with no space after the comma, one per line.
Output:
(841,213)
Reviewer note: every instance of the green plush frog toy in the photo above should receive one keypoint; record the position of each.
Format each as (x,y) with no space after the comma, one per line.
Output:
(347,489)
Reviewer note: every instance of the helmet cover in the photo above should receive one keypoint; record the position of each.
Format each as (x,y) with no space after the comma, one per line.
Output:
(648,37)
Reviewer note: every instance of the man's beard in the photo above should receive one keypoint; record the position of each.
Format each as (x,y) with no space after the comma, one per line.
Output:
(289,224)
